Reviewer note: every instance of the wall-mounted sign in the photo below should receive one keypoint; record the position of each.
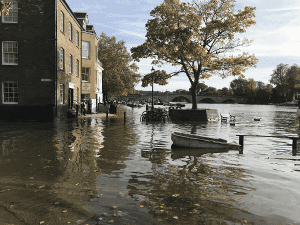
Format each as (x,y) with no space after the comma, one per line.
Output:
(71,85)
(46,80)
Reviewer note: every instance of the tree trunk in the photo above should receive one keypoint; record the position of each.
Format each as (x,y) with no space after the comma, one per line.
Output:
(194,96)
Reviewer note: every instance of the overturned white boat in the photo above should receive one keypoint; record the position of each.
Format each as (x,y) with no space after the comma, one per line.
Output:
(195,141)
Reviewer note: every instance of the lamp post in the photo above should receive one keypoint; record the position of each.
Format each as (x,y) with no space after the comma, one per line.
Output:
(152,70)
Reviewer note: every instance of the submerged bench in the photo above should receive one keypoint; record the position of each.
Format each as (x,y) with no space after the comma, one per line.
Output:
(295,139)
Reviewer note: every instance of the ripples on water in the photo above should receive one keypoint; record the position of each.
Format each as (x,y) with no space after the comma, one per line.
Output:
(89,171)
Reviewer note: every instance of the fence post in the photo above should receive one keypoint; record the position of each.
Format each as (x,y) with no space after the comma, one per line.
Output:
(241,140)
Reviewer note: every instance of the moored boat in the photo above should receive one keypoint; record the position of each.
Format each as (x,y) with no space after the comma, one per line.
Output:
(195,141)
(298,113)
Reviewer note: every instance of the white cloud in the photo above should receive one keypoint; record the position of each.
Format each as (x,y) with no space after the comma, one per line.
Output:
(280,9)
(89,8)
(135,33)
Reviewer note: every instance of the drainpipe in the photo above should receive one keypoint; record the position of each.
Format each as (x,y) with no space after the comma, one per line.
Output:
(55,69)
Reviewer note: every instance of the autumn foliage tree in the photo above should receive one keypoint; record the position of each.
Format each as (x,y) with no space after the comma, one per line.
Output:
(197,37)
(5,6)
(120,74)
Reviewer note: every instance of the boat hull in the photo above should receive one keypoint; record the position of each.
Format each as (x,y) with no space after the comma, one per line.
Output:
(194,141)
(298,113)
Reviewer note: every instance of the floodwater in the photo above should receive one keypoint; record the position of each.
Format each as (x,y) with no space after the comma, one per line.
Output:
(93,171)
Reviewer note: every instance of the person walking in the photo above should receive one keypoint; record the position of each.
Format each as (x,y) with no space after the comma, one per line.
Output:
(85,107)
(82,107)
(89,106)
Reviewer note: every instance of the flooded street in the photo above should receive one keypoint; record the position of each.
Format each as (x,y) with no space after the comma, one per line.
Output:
(89,171)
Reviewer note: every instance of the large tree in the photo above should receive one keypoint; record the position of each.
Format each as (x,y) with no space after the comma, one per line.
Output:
(197,36)
(5,6)
(293,80)
(279,79)
(120,73)
(238,86)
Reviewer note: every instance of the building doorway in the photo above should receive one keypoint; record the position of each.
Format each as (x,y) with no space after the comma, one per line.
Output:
(70,98)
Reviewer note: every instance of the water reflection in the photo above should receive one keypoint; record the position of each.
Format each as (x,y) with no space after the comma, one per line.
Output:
(89,171)
(190,191)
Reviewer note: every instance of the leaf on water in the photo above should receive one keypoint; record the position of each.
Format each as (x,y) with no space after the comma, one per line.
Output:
(115,207)
(197,204)
(141,206)
(56,203)
(65,211)
(175,195)
(42,222)
(100,218)
(111,221)
(42,186)
(175,217)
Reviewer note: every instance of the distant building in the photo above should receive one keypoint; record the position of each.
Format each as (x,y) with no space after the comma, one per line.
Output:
(43,56)
(91,71)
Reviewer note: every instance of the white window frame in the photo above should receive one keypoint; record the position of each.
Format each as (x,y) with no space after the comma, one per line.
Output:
(62,58)
(70,31)
(61,94)
(11,90)
(11,52)
(77,95)
(62,22)
(13,13)
(84,73)
(77,38)
(86,49)
(77,68)
(71,64)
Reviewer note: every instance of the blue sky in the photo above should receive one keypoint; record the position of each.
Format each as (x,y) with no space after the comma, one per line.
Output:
(275,34)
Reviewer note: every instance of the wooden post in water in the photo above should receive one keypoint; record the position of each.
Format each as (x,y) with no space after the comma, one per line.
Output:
(106,116)
(295,140)
(241,140)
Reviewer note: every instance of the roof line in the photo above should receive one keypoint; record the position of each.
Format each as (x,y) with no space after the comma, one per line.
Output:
(64,2)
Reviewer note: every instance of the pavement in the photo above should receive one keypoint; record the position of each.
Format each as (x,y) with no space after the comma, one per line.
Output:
(96,115)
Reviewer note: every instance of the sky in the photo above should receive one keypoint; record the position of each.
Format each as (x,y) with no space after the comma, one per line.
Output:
(275,35)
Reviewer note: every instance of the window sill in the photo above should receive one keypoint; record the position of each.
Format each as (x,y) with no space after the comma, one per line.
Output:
(9,22)
(10,103)
(8,64)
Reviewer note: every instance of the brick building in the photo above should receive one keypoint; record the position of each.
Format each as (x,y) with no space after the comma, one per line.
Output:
(41,60)
(91,67)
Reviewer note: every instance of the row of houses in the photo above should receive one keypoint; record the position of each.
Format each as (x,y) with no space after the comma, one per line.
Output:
(49,60)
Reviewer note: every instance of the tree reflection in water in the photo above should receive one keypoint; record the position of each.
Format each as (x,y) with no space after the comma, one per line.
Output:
(194,193)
